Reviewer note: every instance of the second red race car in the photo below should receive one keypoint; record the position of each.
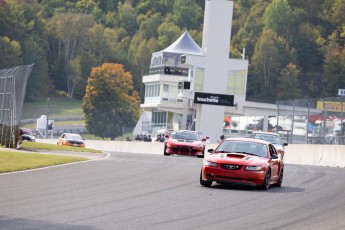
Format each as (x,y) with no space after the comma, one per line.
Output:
(243,161)
(184,142)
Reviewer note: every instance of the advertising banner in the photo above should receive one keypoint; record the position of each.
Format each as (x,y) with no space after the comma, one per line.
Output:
(213,99)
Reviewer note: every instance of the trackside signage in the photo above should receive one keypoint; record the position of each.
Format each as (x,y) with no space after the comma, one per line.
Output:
(213,99)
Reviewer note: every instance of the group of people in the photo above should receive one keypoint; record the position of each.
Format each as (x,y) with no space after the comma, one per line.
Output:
(208,141)
(146,138)
(160,138)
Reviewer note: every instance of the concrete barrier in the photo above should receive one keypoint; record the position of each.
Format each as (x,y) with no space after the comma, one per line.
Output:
(319,155)
(306,154)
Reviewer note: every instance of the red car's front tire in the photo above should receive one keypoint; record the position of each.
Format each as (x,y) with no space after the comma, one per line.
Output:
(266,183)
(165,151)
(280,180)
(205,183)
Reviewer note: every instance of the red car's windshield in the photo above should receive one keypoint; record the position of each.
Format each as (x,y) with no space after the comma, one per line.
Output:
(185,135)
(252,148)
(27,132)
(73,136)
(274,139)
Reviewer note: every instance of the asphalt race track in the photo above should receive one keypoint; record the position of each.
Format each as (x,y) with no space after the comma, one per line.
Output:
(143,191)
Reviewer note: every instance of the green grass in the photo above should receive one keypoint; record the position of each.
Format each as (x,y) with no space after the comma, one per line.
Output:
(43,146)
(56,123)
(58,107)
(11,161)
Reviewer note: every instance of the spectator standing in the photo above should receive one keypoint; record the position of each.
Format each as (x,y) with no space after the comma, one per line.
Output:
(208,141)
(158,138)
(137,138)
(222,137)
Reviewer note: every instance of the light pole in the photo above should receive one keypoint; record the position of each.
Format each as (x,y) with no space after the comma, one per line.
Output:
(48,101)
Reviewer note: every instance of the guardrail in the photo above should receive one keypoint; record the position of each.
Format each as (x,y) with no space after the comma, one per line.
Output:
(318,155)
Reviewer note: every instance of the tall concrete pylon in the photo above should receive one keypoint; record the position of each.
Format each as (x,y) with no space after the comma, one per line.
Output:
(216,65)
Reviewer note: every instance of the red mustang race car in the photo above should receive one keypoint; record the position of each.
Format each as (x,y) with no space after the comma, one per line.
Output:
(243,161)
(184,142)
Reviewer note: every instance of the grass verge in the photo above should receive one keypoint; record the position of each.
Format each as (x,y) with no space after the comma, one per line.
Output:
(11,161)
(58,107)
(43,146)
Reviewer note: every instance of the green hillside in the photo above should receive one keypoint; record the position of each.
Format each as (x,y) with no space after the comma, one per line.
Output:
(295,48)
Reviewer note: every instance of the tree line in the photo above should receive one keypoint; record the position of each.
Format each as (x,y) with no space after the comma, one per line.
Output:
(295,48)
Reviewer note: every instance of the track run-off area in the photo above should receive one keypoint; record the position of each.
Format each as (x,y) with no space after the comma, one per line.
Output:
(152,191)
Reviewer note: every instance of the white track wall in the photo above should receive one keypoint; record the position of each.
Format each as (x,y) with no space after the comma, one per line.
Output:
(305,154)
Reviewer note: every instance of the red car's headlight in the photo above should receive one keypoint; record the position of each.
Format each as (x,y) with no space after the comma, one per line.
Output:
(254,168)
(201,145)
(209,163)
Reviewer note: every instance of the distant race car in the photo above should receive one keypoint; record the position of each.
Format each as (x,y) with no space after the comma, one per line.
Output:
(243,161)
(274,138)
(184,142)
(71,139)
(27,135)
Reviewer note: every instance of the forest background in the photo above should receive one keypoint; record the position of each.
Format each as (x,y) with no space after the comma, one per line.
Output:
(295,48)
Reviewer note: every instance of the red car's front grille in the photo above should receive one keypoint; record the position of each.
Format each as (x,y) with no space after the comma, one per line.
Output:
(230,167)
(184,149)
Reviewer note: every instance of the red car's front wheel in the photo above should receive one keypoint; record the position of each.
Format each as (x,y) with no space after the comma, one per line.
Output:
(280,180)
(165,151)
(266,183)
(205,183)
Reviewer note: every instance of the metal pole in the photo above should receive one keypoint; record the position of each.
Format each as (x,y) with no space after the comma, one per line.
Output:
(48,100)
(324,119)
(293,121)
(341,141)
(307,122)
(277,117)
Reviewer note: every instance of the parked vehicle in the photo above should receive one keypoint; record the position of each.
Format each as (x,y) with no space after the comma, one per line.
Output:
(71,139)
(243,161)
(184,142)
(27,135)
(274,138)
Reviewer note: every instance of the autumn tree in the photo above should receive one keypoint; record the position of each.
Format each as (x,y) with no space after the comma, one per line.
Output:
(267,62)
(12,51)
(249,28)
(110,102)
(187,13)
(127,17)
(168,32)
(277,17)
(334,70)
(288,83)
(69,32)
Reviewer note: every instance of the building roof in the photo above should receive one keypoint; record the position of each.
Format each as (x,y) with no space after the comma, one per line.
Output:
(184,45)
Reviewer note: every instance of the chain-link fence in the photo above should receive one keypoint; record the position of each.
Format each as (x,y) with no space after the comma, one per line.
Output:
(12,93)
(324,127)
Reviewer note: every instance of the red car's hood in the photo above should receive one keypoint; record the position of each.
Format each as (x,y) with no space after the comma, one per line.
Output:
(236,158)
